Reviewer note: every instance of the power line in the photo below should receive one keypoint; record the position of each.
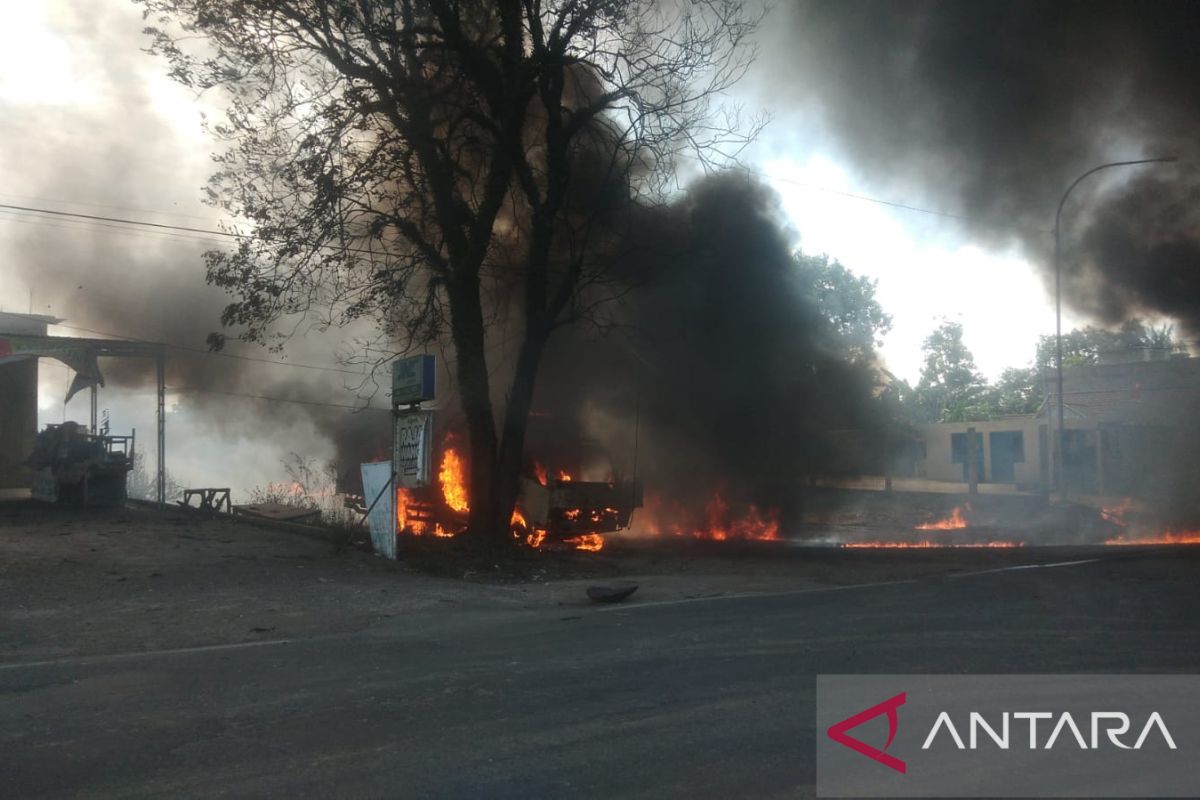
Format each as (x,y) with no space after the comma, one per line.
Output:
(865,198)
(161,227)
(120,220)
(102,205)
(83,225)
(854,195)
(267,398)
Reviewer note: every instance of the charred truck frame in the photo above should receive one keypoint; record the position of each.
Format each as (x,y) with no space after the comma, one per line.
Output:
(548,509)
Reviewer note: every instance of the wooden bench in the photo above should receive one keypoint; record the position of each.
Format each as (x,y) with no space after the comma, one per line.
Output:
(210,499)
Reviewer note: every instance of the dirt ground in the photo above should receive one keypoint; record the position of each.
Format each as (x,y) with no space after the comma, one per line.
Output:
(101,582)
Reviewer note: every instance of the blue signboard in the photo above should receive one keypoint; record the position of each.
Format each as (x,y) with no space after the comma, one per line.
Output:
(412,380)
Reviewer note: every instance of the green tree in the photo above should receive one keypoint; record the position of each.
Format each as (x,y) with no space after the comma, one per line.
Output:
(950,388)
(856,320)
(1018,390)
(425,164)
(1085,345)
(1023,390)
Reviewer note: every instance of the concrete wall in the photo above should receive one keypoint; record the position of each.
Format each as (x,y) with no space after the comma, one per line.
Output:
(18,400)
(939,465)
(1123,423)
(18,420)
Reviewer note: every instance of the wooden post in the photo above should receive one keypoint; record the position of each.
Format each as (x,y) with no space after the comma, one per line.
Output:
(94,406)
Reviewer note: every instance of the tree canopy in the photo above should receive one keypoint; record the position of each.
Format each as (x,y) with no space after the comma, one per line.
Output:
(951,389)
(1086,345)
(856,321)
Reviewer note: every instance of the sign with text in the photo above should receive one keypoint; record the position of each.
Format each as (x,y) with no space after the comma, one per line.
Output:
(412,380)
(1008,735)
(412,443)
(378,489)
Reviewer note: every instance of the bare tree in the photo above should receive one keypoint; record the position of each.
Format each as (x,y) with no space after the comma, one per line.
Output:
(424,163)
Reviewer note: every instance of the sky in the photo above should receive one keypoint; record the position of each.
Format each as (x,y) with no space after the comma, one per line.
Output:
(90,124)
(925,272)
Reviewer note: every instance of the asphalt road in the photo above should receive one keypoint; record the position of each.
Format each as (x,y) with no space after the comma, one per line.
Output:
(704,698)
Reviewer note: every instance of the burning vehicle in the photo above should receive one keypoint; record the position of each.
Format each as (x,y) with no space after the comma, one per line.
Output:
(553,509)
(565,508)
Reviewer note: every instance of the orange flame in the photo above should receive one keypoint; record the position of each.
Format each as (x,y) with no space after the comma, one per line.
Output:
(1167,537)
(415,516)
(956,521)
(412,516)
(563,476)
(452,477)
(401,508)
(719,524)
(751,525)
(1116,514)
(591,542)
(539,472)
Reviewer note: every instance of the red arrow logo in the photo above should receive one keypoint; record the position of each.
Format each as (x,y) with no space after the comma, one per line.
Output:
(837,732)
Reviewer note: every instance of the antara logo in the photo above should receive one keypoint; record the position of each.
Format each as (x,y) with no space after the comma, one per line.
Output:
(837,732)
(1114,724)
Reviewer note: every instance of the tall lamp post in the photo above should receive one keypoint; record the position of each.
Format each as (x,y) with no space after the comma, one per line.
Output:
(1061,439)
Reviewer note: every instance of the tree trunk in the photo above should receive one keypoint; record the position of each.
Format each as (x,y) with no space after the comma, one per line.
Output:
(475,394)
(516,424)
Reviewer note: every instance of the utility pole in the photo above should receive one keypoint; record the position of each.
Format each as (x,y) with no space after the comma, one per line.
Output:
(1061,437)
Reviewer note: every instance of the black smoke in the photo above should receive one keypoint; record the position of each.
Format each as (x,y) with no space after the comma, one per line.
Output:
(990,109)
(719,371)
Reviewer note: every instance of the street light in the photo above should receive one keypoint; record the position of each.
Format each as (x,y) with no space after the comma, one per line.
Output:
(1061,438)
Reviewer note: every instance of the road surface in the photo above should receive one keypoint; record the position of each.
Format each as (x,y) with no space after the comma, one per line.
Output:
(698,698)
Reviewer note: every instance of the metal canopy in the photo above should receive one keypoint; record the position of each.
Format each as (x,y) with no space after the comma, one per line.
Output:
(81,355)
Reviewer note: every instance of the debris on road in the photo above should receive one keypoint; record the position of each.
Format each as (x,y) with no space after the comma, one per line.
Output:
(611,594)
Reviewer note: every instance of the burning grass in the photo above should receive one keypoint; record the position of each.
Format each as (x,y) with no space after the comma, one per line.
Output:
(956,521)
(1166,537)
(719,523)
(1137,534)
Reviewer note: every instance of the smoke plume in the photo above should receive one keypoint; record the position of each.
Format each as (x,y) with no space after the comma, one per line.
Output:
(719,371)
(990,110)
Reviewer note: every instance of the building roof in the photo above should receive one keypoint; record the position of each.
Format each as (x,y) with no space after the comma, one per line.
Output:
(12,322)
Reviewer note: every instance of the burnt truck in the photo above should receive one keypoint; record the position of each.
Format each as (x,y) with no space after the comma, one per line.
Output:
(565,508)
(556,510)
(590,500)
(72,466)
(574,485)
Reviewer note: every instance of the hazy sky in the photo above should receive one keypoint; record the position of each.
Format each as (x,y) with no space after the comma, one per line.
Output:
(90,124)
